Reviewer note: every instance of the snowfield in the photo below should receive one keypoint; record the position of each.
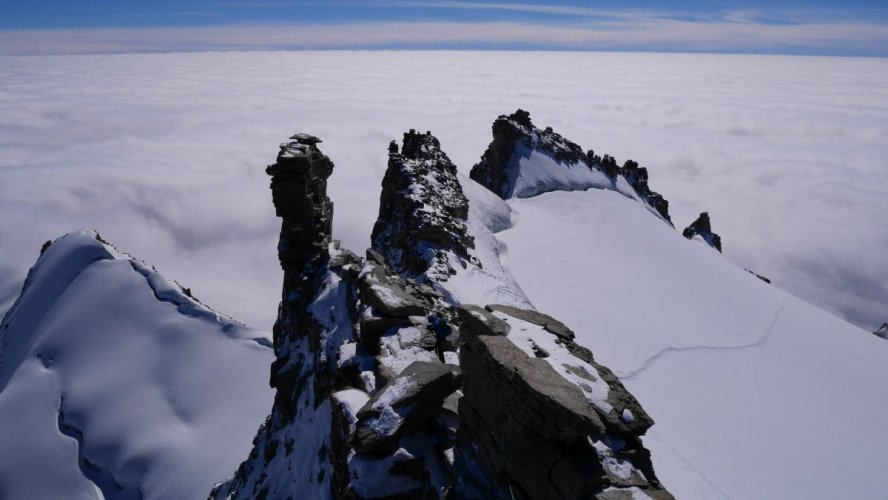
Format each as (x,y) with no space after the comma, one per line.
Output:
(114,384)
(755,393)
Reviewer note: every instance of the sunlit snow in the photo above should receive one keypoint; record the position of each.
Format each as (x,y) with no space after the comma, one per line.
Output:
(164,153)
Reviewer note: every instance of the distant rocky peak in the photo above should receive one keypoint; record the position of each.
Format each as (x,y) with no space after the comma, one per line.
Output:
(512,135)
(524,160)
(637,177)
(421,230)
(702,227)
(418,146)
(882,332)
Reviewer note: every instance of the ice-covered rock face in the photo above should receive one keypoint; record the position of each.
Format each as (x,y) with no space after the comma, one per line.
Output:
(523,161)
(702,229)
(421,229)
(882,332)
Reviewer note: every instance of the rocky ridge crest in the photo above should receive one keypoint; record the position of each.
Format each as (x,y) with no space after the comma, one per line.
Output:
(421,228)
(387,389)
(515,135)
(702,227)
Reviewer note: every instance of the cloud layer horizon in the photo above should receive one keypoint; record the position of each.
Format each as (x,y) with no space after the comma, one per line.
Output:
(164,154)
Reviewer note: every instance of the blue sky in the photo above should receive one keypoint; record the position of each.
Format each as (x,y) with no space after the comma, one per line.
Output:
(828,27)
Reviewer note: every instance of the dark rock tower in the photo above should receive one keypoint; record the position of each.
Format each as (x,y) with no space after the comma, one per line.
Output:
(702,227)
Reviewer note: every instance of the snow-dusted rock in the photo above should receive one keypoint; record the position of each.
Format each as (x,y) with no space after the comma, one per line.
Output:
(701,229)
(421,229)
(406,403)
(882,331)
(523,161)
(367,370)
(544,426)
(291,456)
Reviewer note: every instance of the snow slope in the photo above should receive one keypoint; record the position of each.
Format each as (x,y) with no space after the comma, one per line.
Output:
(115,384)
(491,282)
(755,393)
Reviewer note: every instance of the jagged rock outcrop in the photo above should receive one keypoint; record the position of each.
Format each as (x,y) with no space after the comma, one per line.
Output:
(703,228)
(882,331)
(759,276)
(524,161)
(390,428)
(374,359)
(421,228)
(539,418)
(637,177)
(291,451)
(405,404)
(347,331)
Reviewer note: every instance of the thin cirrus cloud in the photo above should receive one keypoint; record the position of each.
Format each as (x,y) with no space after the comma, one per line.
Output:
(550,27)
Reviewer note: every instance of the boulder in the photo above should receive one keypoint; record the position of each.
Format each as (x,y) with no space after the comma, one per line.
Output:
(406,403)
(480,321)
(548,323)
(389,298)
(526,431)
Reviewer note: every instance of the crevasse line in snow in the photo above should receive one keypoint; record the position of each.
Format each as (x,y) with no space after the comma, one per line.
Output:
(105,484)
(653,359)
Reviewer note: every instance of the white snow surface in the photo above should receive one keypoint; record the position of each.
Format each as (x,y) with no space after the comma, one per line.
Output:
(165,153)
(755,393)
(490,283)
(533,172)
(161,395)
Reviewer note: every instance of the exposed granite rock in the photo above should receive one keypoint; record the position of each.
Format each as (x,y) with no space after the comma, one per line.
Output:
(299,192)
(405,404)
(515,135)
(548,323)
(637,177)
(703,228)
(478,319)
(508,132)
(882,331)
(421,229)
(314,319)
(373,398)
(526,431)
(759,276)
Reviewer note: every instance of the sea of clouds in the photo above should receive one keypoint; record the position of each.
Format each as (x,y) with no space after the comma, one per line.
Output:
(164,154)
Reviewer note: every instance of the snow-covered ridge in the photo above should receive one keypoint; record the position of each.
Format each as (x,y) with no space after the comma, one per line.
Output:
(370,387)
(114,383)
(437,227)
(726,364)
(523,161)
